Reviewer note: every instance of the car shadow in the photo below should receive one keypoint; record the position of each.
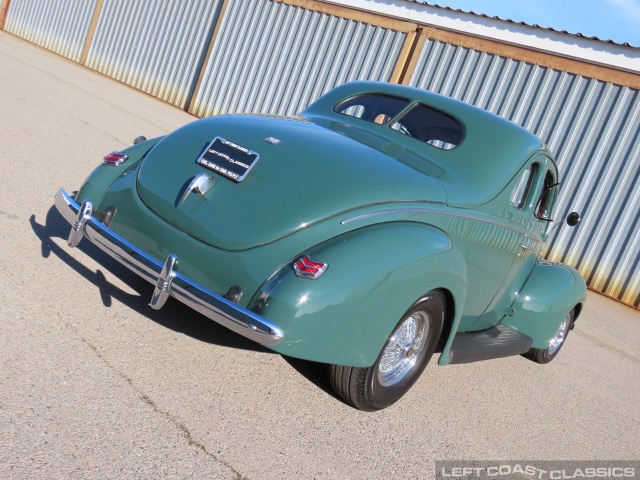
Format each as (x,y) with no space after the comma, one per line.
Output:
(318,374)
(173,315)
(314,372)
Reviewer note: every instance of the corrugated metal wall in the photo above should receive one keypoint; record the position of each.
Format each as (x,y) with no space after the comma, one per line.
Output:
(276,58)
(156,47)
(271,57)
(593,129)
(57,25)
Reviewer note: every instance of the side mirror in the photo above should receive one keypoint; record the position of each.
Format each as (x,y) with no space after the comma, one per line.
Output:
(573,219)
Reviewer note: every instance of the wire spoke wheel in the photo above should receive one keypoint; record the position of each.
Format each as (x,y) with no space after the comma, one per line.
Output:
(402,359)
(545,355)
(558,339)
(403,350)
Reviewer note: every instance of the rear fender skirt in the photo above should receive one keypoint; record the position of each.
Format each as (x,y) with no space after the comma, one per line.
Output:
(374,275)
(552,290)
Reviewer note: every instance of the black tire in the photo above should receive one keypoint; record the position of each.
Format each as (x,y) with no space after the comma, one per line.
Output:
(545,355)
(400,362)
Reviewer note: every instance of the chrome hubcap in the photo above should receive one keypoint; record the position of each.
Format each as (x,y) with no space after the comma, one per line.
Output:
(558,339)
(403,349)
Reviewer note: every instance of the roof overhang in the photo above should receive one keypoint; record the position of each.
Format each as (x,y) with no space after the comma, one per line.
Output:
(576,47)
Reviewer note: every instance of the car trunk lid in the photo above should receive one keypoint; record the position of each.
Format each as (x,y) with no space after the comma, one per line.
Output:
(303,174)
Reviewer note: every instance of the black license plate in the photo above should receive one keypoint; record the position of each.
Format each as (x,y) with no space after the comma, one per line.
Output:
(228,159)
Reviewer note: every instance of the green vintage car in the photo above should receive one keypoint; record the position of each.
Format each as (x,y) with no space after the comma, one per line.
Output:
(381,225)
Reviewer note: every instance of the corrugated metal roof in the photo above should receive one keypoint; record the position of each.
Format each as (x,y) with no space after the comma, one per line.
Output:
(534,25)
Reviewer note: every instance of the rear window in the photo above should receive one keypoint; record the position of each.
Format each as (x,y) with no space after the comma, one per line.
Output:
(430,126)
(375,108)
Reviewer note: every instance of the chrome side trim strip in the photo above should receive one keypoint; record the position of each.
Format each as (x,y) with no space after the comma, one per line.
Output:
(204,301)
(434,211)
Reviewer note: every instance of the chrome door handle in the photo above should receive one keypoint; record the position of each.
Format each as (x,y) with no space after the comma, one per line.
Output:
(527,247)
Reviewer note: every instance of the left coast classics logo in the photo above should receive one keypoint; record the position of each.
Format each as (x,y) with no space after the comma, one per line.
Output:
(228,159)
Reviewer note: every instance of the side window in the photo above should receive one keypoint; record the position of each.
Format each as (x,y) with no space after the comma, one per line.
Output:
(547,197)
(523,187)
(375,108)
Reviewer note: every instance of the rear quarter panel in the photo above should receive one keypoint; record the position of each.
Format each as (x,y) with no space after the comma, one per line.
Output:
(375,274)
(99,181)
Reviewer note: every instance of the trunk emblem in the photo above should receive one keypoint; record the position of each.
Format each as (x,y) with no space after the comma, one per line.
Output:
(200,185)
(272,140)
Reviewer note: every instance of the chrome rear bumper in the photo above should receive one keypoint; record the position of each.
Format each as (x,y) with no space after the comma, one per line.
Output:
(167,281)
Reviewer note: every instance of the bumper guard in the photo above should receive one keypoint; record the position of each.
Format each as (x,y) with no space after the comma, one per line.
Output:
(166,279)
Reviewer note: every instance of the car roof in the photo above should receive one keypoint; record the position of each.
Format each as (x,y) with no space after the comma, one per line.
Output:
(492,151)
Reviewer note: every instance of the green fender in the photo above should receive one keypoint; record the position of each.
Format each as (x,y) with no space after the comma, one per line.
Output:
(97,184)
(551,291)
(374,275)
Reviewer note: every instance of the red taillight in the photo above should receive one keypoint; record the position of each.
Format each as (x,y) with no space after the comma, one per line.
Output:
(307,267)
(114,159)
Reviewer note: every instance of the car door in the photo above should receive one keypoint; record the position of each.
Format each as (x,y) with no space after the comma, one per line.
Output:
(530,217)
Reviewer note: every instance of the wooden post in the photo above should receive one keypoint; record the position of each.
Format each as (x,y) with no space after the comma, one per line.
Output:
(91,32)
(407,58)
(414,56)
(4,11)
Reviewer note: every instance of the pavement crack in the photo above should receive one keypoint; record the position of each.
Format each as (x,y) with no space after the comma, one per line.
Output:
(607,346)
(149,401)
(8,215)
